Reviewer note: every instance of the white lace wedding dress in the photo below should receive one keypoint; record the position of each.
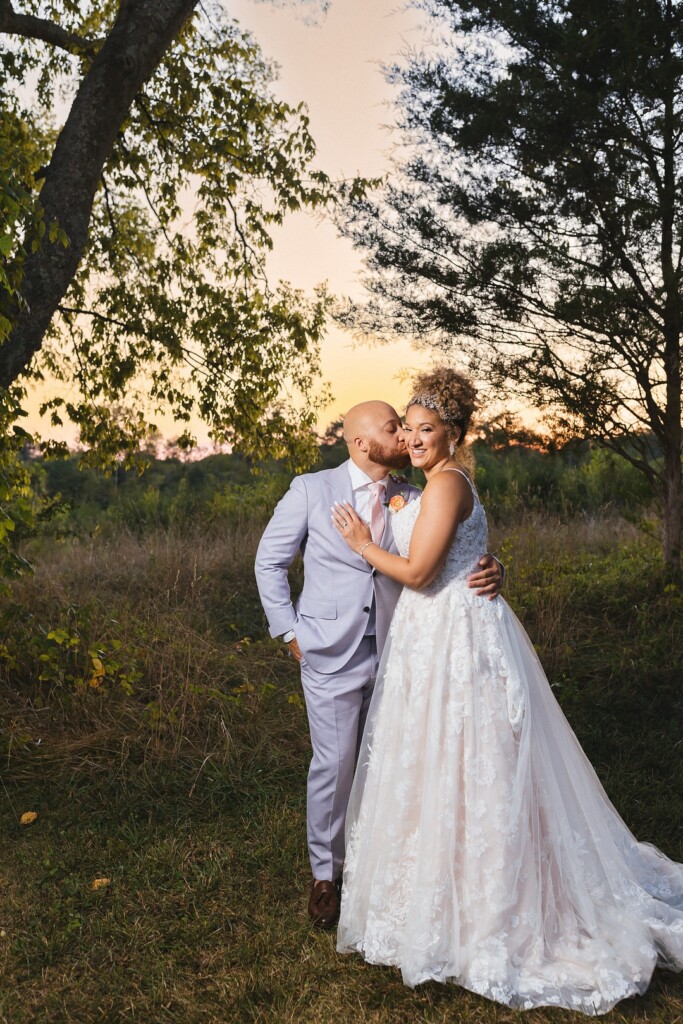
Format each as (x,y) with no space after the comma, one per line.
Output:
(481,846)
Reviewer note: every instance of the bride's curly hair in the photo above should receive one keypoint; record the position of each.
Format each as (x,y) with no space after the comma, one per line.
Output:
(453,397)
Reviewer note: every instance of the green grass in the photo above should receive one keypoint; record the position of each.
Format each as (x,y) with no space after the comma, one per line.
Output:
(189,793)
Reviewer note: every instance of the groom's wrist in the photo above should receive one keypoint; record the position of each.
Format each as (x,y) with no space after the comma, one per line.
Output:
(288,636)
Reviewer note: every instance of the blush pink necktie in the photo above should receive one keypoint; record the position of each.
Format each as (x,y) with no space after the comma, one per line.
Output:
(377,511)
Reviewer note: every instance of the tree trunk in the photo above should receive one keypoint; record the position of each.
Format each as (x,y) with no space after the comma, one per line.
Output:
(672,319)
(672,512)
(141,35)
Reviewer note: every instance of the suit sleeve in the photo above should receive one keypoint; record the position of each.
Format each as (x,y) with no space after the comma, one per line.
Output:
(280,543)
(503,570)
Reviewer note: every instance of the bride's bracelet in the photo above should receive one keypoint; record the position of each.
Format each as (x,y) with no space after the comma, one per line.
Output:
(366,545)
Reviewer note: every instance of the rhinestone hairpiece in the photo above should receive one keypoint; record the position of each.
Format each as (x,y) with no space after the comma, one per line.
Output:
(428,400)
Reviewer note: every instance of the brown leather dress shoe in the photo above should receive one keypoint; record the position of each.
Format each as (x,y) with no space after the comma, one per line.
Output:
(323,905)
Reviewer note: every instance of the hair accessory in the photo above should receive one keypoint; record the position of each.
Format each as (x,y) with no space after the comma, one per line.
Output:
(429,401)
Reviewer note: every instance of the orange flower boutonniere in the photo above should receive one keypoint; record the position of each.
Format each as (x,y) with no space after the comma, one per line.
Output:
(397,503)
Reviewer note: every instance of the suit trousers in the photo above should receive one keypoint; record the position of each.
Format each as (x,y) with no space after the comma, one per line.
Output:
(337,706)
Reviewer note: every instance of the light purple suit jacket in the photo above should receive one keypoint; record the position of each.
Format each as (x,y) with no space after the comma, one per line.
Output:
(331,616)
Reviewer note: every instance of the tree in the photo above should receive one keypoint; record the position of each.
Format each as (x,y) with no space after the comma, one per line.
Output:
(142,261)
(536,218)
(15,204)
(17,506)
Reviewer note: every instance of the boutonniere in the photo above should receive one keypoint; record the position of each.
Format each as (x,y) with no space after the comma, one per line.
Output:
(396,503)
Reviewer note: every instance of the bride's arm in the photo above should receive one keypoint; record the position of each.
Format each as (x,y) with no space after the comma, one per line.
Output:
(446,501)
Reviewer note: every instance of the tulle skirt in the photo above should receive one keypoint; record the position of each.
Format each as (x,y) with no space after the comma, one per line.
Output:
(481,846)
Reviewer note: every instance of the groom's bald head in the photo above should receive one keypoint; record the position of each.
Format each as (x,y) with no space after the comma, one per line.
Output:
(368,418)
(374,434)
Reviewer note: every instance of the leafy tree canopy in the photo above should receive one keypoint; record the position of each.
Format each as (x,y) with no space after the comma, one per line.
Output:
(535,220)
(145,163)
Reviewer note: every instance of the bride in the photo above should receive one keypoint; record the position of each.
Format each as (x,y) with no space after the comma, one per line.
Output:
(481,845)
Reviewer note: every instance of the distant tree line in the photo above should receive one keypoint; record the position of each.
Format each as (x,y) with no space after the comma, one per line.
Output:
(517,472)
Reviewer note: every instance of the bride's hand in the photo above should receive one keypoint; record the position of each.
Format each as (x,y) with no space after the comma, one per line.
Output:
(355,532)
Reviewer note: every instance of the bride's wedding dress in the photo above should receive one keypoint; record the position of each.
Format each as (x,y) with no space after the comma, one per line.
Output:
(481,846)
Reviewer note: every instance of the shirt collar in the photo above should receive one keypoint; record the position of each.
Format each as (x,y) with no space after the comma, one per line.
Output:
(361,479)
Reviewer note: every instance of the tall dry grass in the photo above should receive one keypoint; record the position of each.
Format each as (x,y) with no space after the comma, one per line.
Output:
(178,613)
(182,613)
(548,557)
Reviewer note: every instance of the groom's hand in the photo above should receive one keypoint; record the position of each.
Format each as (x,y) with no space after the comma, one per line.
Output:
(489,579)
(294,649)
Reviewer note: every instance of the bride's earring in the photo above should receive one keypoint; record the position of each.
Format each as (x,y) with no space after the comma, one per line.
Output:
(452,445)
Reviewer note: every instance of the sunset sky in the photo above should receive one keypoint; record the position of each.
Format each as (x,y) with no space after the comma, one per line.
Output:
(334,66)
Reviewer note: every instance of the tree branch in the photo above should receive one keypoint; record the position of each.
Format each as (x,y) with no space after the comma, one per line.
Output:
(137,43)
(31,27)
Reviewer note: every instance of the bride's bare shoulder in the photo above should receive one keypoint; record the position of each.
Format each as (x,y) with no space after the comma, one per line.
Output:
(451,478)
(446,487)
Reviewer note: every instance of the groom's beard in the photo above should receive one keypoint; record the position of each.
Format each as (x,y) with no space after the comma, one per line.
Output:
(382,457)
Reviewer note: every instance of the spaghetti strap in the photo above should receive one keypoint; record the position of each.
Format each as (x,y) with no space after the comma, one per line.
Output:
(452,469)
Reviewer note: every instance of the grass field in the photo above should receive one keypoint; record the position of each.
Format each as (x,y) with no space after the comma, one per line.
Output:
(166,750)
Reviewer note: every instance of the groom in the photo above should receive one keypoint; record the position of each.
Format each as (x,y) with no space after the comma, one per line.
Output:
(337,628)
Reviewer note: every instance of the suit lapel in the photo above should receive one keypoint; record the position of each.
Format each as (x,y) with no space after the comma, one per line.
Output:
(338,483)
(339,488)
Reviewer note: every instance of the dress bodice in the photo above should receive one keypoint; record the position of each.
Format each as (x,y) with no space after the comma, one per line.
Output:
(469,544)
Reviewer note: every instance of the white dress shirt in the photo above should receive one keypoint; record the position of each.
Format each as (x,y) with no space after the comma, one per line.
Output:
(362,495)
(362,499)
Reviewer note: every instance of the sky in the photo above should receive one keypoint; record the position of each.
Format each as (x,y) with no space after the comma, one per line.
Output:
(332,63)
(334,66)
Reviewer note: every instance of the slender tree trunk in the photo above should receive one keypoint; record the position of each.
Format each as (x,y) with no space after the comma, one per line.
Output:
(672,325)
(141,35)
(672,434)
(672,512)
